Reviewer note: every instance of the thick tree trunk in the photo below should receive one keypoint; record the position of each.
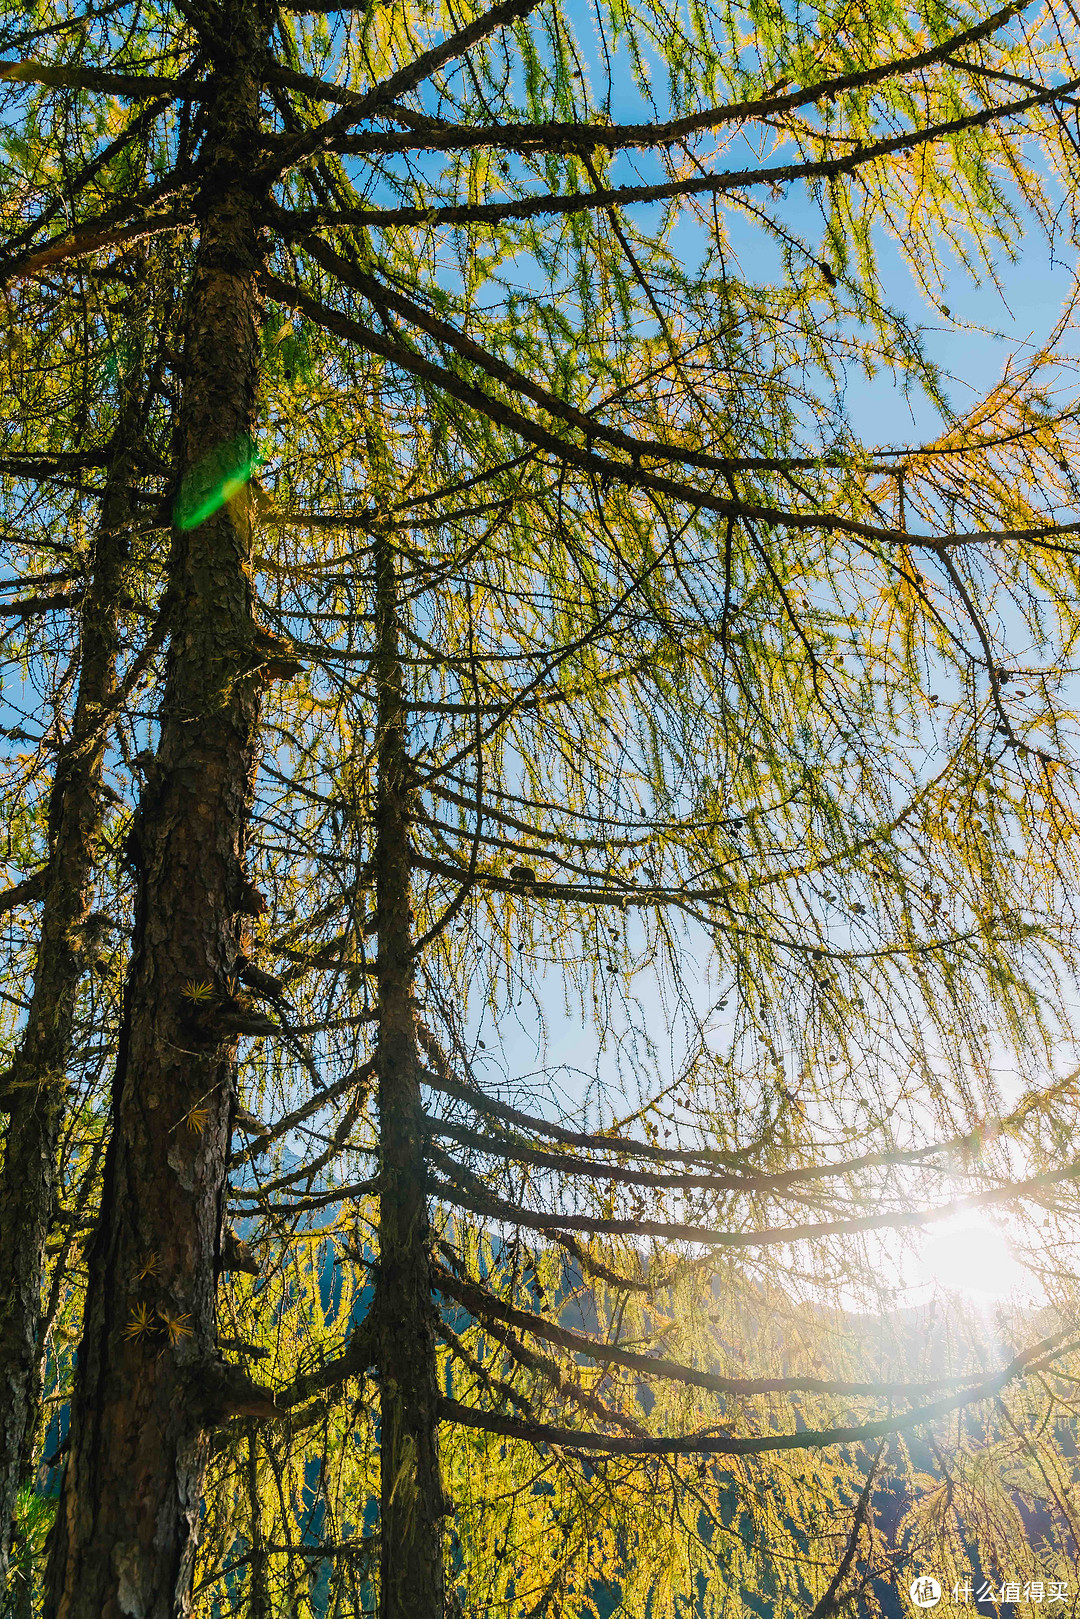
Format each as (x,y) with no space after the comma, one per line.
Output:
(125,1538)
(34,1084)
(412,1505)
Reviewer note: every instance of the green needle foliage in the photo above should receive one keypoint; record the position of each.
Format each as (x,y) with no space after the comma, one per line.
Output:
(593,817)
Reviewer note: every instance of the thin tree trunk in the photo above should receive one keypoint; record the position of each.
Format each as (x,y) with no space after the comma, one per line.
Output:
(35,1082)
(412,1505)
(126,1532)
(258,1598)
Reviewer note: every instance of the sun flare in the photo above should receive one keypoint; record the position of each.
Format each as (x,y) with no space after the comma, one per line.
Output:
(972,1256)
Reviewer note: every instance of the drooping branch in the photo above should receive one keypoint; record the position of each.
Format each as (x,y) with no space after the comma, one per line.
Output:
(830,1603)
(385,297)
(38,606)
(159,207)
(23,893)
(359,1078)
(570,138)
(727,1444)
(627,473)
(467,1191)
(521,1152)
(562,204)
(441,1079)
(357,1357)
(296,149)
(490,1312)
(53,465)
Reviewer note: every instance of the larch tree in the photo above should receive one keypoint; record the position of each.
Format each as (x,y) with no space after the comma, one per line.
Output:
(88,576)
(537,623)
(85,418)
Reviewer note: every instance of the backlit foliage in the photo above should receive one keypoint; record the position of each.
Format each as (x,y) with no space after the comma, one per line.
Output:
(743,749)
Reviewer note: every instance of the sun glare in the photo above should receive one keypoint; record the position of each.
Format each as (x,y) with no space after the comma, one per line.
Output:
(973,1257)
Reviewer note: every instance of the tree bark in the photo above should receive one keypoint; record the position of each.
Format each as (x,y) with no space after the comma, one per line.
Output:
(35,1082)
(412,1502)
(258,1594)
(126,1533)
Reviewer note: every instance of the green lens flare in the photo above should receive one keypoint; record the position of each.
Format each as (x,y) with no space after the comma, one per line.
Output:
(214,481)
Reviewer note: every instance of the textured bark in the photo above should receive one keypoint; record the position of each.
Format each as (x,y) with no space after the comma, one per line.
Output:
(412,1504)
(125,1538)
(258,1592)
(35,1083)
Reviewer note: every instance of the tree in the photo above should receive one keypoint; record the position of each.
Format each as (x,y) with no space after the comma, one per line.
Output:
(70,932)
(81,405)
(608,527)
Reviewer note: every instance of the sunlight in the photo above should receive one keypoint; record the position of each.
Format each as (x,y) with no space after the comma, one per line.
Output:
(972,1256)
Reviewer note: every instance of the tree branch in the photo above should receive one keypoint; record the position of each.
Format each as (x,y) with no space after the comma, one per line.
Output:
(355,1359)
(378,99)
(573,138)
(829,1603)
(485,1307)
(551,204)
(25,892)
(135,87)
(623,472)
(727,1444)
(478,1200)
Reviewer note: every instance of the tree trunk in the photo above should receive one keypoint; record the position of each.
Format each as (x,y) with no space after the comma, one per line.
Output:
(35,1082)
(412,1505)
(126,1532)
(258,1594)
